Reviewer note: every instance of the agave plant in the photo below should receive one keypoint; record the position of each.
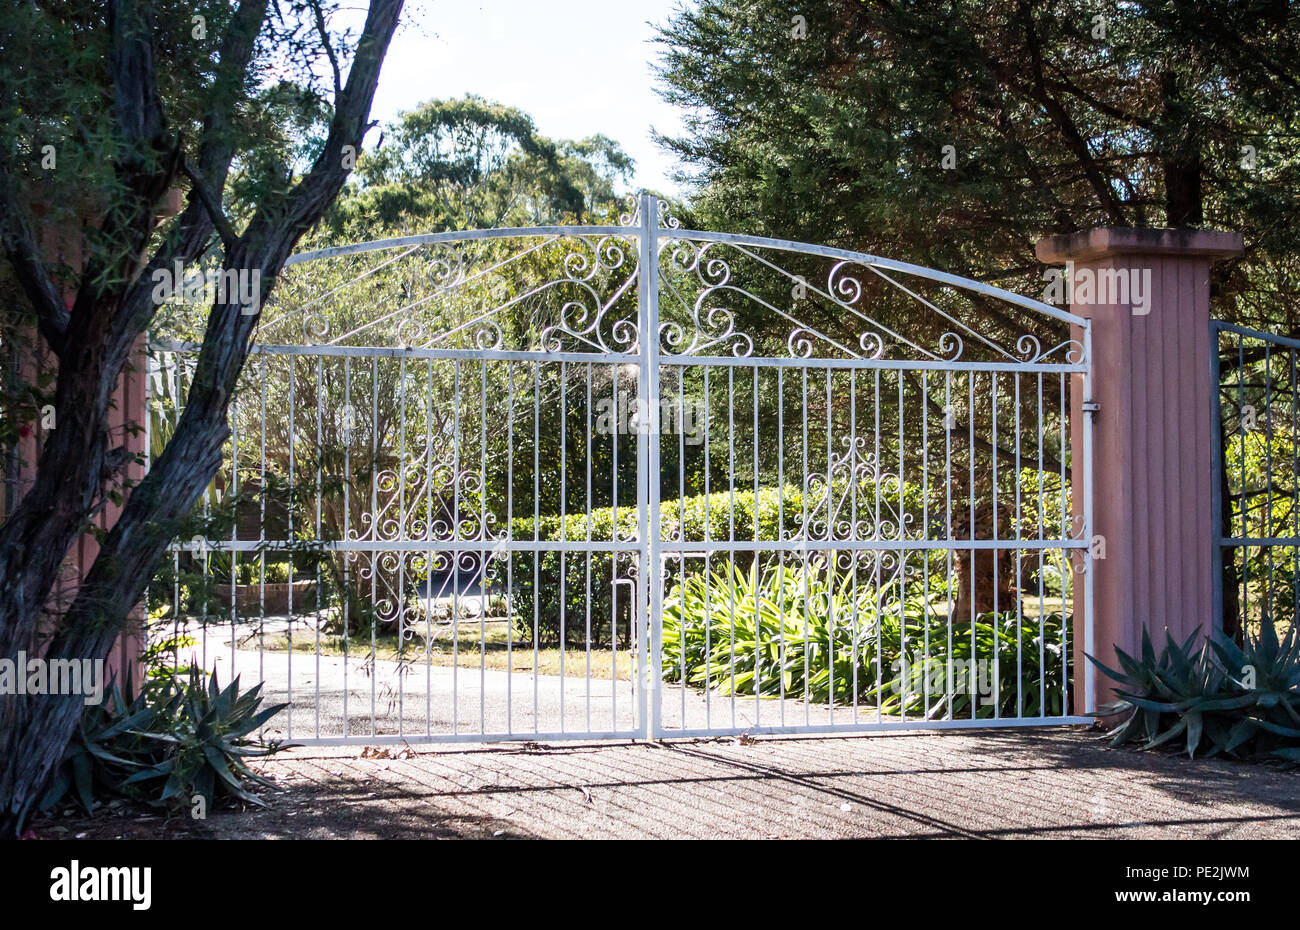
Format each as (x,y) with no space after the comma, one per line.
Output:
(178,738)
(105,751)
(209,729)
(1222,698)
(1269,670)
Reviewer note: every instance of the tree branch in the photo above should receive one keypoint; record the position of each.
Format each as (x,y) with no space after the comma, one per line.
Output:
(210,204)
(329,48)
(25,256)
(1064,124)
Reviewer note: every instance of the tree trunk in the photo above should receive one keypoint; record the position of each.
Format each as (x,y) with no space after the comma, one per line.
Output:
(986,578)
(113,306)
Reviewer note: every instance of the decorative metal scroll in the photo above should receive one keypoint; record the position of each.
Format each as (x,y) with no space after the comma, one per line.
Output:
(558,289)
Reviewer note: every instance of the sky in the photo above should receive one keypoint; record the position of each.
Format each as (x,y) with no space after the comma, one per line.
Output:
(577,67)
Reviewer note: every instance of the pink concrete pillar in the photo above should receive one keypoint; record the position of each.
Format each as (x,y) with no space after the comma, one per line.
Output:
(1147,294)
(127,418)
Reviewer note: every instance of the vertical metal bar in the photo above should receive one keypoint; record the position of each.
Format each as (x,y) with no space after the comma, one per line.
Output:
(758,637)
(374,535)
(1268,472)
(681,523)
(853,524)
(430,555)
(564,503)
(648,465)
(510,554)
(587,522)
(925,555)
(614,433)
(997,617)
(485,555)
(320,453)
(400,594)
(1216,491)
(780,534)
(350,423)
(289,535)
(1064,555)
(1245,510)
(949,426)
(731,527)
(1020,568)
(875,579)
(456,551)
(902,553)
(1042,609)
(537,521)
(1090,646)
(974,590)
(708,587)
(830,553)
(807,538)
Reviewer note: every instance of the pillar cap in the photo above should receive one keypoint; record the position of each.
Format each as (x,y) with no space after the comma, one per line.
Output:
(1105,241)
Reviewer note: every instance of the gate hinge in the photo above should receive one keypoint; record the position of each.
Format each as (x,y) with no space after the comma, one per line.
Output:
(1092,407)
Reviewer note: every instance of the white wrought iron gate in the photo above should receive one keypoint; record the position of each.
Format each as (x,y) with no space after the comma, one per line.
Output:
(635,480)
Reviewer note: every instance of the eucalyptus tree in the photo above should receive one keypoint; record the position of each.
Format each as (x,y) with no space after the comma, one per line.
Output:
(470,163)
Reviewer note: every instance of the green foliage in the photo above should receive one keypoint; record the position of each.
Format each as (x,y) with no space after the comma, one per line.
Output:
(1223,698)
(794,632)
(177,739)
(839,135)
(799,630)
(1024,647)
(692,519)
(469,162)
(1259,438)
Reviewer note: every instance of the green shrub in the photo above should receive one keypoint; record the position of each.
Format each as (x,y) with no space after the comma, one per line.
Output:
(177,739)
(769,515)
(693,519)
(1220,698)
(787,637)
(1019,642)
(797,631)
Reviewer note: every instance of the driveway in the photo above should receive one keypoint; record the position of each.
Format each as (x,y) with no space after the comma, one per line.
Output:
(1033,783)
(330,696)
